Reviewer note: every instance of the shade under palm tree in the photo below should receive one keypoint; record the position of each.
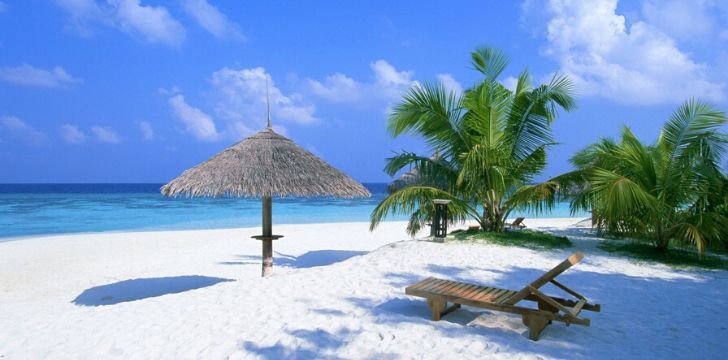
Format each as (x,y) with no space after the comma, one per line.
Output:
(262,166)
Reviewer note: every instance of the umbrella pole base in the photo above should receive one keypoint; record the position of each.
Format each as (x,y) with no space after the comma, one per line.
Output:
(267,258)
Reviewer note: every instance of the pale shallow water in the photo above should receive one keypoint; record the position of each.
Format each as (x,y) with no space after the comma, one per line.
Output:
(43,209)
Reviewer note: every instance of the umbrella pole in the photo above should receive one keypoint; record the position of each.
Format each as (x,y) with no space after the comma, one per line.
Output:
(267,236)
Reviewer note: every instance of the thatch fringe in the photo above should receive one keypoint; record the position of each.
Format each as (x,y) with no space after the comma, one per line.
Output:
(265,164)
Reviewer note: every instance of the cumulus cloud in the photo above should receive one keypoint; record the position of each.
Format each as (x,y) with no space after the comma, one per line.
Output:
(449,82)
(682,20)
(389,84)
(71,134)
(337,88)
(23,131)
(152,23)
(28,75)
(241,98)
(147,130)
(389,81)
(197,123)
(639,64)
(105,134)
(212,20)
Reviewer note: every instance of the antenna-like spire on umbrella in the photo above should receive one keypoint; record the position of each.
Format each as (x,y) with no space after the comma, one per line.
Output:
(267,99)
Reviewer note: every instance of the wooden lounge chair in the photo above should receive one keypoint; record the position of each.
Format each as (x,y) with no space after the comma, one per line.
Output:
(517,224)
(439,292)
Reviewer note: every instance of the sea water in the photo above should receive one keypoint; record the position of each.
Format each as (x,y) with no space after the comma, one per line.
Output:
(41,209)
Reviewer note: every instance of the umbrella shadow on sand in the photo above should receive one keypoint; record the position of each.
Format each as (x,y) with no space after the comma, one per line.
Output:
(138,289)
(307,260)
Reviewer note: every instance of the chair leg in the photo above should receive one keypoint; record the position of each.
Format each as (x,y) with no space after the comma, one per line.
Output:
(542,305)
(437,305)
(535,324)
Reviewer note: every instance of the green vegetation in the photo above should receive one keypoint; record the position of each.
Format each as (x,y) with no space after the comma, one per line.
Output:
(522,238)
(489,144)
(678,258)
(670,192)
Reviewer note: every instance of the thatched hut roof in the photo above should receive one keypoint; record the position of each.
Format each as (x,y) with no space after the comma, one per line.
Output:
(265,164)
(411,177)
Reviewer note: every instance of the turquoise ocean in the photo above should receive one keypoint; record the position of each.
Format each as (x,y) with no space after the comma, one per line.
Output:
(44,209)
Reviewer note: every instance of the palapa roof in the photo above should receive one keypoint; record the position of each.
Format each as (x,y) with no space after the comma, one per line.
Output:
(265,164)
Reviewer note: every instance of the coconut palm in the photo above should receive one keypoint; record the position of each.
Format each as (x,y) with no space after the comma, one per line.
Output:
(672,191)
(490,142)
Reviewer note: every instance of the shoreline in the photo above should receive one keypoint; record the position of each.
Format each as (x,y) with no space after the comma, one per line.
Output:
(121,231)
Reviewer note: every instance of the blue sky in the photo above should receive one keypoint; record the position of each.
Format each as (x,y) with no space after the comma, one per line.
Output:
(138,91)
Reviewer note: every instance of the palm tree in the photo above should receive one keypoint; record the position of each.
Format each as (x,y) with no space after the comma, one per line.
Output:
(490,143)
(672,191)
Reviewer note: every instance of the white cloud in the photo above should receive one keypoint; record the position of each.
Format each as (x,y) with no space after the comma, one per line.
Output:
(147,130)
(337,88)
(389,84)
(449,83)
(212,20)
(23,131)
(71,134)
(510,83)
(106,135)
(682,20)
(152,23)
(637,65)
(28,75)
(196,122)
(240,97)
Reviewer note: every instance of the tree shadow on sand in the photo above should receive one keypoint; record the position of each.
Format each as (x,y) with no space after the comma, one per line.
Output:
(137,289)
(307,260)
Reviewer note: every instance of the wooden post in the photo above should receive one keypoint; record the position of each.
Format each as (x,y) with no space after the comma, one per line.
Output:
(267,234)
(439,221)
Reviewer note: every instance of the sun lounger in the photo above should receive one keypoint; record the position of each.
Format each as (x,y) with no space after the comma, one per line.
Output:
(439,292)
(517,224)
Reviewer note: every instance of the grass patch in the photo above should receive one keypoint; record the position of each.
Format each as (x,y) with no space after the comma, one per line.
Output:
(676,258)
(522,238)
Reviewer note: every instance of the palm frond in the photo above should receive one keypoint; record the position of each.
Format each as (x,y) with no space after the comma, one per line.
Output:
(489,61)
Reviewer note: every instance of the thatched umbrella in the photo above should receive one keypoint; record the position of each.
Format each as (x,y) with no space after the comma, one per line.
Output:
(262,166)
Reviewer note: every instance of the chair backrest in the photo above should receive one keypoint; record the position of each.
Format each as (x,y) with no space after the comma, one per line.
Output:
(545,278)
(518,221)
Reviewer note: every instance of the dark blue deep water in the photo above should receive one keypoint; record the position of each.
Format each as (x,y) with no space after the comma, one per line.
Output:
(34,209)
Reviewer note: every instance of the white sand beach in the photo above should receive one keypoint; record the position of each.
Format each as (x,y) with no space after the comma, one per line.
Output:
(337,292)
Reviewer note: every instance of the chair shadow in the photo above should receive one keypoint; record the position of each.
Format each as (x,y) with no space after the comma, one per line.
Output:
(307,260)
(138,289)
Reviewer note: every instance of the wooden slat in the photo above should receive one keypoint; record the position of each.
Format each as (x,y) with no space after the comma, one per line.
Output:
(486,294)
(465,290)
(434,284)
(504,296)
(456,290)
(445,287)
(498,293)
(481,291)
(422,283)
(565,288)
(468,293)
(473,292)
(577,308)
